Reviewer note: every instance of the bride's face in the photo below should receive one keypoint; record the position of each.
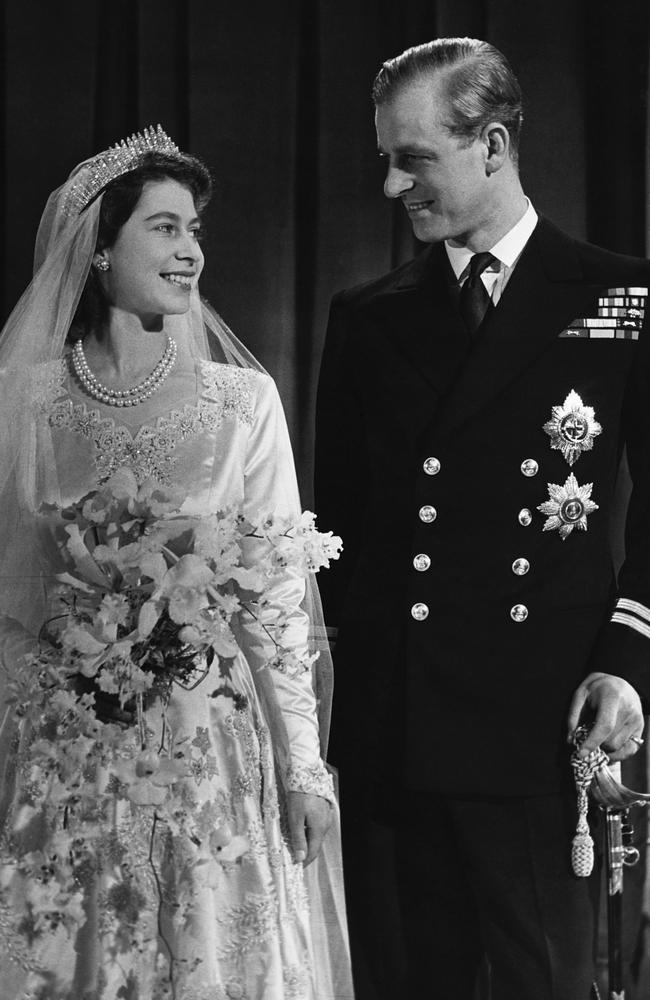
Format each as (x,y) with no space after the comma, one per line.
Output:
(156,259)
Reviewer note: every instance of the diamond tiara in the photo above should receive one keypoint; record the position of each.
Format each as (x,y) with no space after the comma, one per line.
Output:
(95,174)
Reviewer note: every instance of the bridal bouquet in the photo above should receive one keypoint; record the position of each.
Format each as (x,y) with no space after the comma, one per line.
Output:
(148,598)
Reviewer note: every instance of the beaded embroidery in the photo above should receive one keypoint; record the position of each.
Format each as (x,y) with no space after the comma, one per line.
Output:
(227,392)
(315,780)
(296,981)
(254,921)
(260,846)
(231,388)
(47,383)
(248,781)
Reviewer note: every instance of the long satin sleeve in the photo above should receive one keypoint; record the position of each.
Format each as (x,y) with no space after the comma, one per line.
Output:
(270,487)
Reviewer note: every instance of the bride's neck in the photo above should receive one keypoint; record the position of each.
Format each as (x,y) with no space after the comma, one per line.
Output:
(125,347)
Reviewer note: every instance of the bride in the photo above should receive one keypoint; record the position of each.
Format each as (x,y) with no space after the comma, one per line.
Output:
(187,872)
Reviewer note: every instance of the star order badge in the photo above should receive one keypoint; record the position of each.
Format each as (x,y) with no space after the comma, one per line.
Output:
(567,507)
(572,427)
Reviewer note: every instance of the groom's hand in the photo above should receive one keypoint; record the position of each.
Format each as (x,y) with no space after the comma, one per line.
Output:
(615,713)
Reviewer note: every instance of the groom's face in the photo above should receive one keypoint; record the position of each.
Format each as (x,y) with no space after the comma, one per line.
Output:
(441,180)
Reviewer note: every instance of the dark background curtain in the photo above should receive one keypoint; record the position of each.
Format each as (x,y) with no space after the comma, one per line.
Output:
(275,97)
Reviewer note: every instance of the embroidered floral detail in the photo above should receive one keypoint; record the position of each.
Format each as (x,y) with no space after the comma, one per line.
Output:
(297,898)
(315,779)
(296,981)
(13,943)
(202,739)
(255,920)
(235,989)
(47,383)
(227,392)
(260,846)
(231,388)
(247,782)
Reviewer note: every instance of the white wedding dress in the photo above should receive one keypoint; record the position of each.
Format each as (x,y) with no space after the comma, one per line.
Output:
(239,926)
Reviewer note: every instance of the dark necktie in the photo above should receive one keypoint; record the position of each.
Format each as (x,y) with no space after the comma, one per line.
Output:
(474,299)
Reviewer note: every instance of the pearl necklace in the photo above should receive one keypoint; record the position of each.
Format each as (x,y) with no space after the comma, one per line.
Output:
(124,397)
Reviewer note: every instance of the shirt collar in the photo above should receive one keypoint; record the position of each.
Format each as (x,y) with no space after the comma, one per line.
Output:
(506,250)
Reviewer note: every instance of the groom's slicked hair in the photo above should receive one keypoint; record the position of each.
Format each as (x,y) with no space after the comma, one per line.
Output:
(478,82)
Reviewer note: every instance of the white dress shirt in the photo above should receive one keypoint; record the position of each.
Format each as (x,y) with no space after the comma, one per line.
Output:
(507,252)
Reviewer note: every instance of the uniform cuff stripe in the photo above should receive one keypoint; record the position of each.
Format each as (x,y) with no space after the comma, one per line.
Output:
(634,623)
(625,604)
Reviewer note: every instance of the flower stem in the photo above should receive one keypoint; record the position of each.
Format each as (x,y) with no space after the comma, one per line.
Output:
(142,726)
(261,624)
(161,933)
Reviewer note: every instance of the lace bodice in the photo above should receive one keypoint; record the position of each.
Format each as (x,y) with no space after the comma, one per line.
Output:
(155,449)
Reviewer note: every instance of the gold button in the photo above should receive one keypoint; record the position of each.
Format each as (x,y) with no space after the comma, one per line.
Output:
(520,567)
(519,613)
(428,513)
(431,466)
(529,467)
(524,516)
(421,562)
(419,611)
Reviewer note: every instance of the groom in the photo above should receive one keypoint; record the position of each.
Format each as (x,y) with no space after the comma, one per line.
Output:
(473,408)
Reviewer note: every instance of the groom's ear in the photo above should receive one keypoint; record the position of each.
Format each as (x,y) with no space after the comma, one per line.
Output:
(496,140)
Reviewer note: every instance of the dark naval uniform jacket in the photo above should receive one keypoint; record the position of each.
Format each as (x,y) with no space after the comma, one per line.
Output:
(466,615)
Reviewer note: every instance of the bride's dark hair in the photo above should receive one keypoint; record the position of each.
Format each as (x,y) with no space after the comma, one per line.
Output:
(120,198)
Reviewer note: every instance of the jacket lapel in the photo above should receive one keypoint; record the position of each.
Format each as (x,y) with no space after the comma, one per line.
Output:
(543,295)
(418,320)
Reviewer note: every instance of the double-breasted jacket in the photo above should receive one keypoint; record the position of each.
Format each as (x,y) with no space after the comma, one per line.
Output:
(475,491)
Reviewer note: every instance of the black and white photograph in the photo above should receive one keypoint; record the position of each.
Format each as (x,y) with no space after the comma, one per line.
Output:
(325,500)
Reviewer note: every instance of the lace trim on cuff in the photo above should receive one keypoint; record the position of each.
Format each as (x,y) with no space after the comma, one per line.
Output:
(315,779)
